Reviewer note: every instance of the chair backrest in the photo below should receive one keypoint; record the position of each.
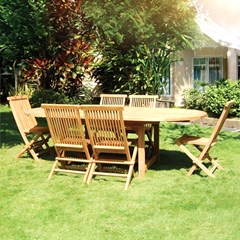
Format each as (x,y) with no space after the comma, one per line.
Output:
(106,129)
(143,101)
(113,99)
(221,119)
(217,127)
(65,124)
(19,105)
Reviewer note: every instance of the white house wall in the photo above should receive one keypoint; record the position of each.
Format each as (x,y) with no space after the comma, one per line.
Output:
(182,76)
(183,70)
(232,63)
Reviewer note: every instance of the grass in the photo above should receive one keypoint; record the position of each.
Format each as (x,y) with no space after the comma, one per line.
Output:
(166,204)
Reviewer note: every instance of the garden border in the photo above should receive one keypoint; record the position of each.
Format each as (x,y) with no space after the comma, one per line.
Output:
(229,123)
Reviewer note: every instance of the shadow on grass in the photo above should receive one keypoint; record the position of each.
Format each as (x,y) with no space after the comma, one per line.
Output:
(176,160)
(170,130)
(170,159)
(45,157)
(10,135)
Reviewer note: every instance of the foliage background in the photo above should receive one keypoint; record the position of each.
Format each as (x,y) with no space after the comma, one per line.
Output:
(48,41)
(125,46)
(213,98)
(138,40)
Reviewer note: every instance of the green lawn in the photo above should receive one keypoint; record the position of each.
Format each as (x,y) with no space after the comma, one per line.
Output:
(166,204)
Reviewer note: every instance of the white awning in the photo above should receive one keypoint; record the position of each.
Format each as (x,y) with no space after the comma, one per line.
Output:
(219,20)
(218,33)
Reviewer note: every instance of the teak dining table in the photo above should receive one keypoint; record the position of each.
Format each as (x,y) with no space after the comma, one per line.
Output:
(136,118)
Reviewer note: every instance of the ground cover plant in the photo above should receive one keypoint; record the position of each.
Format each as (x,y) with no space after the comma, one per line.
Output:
(166,204)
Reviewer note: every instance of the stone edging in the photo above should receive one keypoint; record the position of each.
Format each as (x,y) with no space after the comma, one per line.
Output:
(229,123)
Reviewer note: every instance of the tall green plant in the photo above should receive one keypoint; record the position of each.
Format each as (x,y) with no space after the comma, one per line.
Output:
(150,68)
(139,40)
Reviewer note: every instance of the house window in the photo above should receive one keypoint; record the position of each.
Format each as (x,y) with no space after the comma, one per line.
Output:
(167,80)
(207,70)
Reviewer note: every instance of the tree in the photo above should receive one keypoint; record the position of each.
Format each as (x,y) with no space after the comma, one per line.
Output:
(22,29)
(48,40)
(139,39)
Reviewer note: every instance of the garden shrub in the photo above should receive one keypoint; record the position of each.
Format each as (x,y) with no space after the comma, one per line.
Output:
(193,99)
(214,98)
(217,95)
(51,96)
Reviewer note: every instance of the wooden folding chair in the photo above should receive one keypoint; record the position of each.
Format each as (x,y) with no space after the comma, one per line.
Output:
(35,137)
(204,145)
(106,129)
(147,101)
(67,132)
(113,99)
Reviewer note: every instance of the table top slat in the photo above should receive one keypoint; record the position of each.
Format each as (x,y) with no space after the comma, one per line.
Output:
(147,115)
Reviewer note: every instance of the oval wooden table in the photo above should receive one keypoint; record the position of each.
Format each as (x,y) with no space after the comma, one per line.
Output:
(136,118)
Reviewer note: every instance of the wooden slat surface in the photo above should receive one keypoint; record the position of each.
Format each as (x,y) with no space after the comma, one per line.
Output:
(145,115)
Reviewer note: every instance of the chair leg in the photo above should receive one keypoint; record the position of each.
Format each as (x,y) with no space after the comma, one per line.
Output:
(213,168)
(214,162)
(192,169)
(48,148)
(131,167)
(206,170)
(91,171)
(28,147)
(34,155)
(89,167)
(129,176)
(196,162)
(35,144)
(22,151)
(53,169)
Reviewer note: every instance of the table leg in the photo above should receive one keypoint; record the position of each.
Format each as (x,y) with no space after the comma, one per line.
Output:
(156,140)
(141,151)
(143,164)
(155,156)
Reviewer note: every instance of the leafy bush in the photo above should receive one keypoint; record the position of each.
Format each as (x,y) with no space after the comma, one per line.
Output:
(217,95)
(193,99)
(51,96)
(214,98)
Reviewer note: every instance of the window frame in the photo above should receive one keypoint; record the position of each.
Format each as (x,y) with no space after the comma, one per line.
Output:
(207,66)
